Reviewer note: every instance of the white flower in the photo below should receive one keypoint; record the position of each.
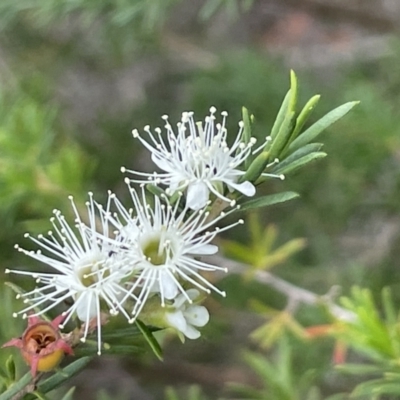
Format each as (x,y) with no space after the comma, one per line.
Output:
(187,316)
(197,159)
(87,270)
(162,243)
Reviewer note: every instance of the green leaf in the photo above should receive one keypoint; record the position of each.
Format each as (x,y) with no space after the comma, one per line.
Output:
(16,387)
(304,115)
(39,395)
(109,349)
(247,121)
(301,162)
(285,131)
(151,340)
(303,151)
(314,130)
(63,375)
(376,386)
(10,366)
(293,92)
(4,375)
(256,168)
(156,190)
(388,306)
(69,394)
(268,200)
(130,331)
(280,117)
(359,369)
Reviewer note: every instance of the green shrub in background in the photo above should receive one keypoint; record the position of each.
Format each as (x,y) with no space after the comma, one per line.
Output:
(44,154)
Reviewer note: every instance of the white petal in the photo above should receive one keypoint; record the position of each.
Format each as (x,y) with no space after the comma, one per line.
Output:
(191,333)
(247,188)
(197,195)
(83,304)
(168,284)
(160,162)
(179,301)
(207,249)
(197,315)
(177,320)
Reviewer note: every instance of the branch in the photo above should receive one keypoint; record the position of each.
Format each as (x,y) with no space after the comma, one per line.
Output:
(295,294)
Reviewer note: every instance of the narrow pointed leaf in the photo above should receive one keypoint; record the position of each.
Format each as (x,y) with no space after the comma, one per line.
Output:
(280,117)
(247,121)
(301,162)
(151,340)
(10,366)
(375,387)
(293,92)
(62,376)
(359,369)
(16,387)
(268,200)
(69,394)
(314,130)
(303,151)
(246,125)
(40,396)
(305,113)
(256,168)
(388,306)
(281,139)
(157,191)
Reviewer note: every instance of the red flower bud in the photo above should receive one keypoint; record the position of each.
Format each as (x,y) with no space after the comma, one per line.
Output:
(41,344)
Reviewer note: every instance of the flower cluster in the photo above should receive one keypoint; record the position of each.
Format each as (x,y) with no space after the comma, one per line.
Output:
(145,260)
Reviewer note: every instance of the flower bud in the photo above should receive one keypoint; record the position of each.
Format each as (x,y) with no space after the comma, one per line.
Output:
(183,315)
(41,345)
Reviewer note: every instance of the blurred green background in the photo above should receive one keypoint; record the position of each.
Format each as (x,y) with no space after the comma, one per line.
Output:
(76,76)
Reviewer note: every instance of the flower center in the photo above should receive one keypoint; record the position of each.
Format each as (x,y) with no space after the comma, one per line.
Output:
(90,270)
(157,250)
(86,277)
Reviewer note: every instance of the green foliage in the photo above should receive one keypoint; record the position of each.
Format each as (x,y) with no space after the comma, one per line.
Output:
(286,135)
(119,13)
(377,337)
(267,200)
(42,156)
(39,166)
(151,340)
(232,7)
(288,148)
(261,252)
(281,380)
(46,385)
(193,393)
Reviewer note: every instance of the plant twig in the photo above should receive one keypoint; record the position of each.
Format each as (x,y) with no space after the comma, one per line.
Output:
(294,293)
